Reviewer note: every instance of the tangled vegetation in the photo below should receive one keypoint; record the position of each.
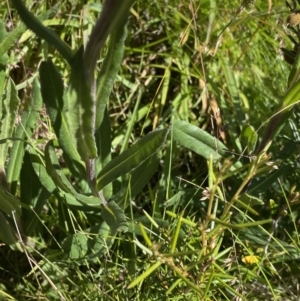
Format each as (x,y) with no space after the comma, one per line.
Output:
(150,152)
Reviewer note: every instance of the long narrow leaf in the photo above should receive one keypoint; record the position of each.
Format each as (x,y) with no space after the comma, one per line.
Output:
(10,107)
(9,204)
(52,92)
(92,241)
(8,41)
(113,14)
(25,129)
(43,32)
(197,140)
(278,120)
(103,141)
(80,110)
(139,178)
(7,232)
(233,90)
(114,217)
(33,194)
(132,157)
(109,71)
(3,60)
(59,178)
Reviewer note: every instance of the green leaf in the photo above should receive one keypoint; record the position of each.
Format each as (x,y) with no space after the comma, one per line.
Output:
(3,60)
(142,174)
(8,115)
(138,179)
(40,171)
(248,137)
(54,170)
(295,71)
(278,120)
(43,32)
(109,70)
(59,178)
(24,131)
(265,183)
(103,141)
(81,202)
(34,195)
(52,90)
(90,242)
(9,204)
(233,90)
(197,140)
(76,245)
(114,217)
(7,41)
(132,157)
(80,110)
(113,15)
(8,233)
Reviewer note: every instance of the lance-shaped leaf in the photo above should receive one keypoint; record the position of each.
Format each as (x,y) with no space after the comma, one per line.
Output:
(90,242)
(9,204)
(114,13)
(59,178)
(52,92)
(80,109)
(72,200)
(114,217)
(132,157)
(109,71)
(8,234)
(8,114)
(33,195)
(9,40)
(40,170)
(103,141)
(3,60)
(197,140)
(137,180)
(24,130)
(278,120)
(248,137)
(43,32)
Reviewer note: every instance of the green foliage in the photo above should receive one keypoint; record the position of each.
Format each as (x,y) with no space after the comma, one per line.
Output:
(132,155)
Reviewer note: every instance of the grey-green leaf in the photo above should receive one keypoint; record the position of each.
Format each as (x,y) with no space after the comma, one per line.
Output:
(80,109)
(132,157)
(109,71)
(114,13)
(91,241)
(52,90)
(197,140)
(24,130)
(9,39)
(8,115)
(114,217)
